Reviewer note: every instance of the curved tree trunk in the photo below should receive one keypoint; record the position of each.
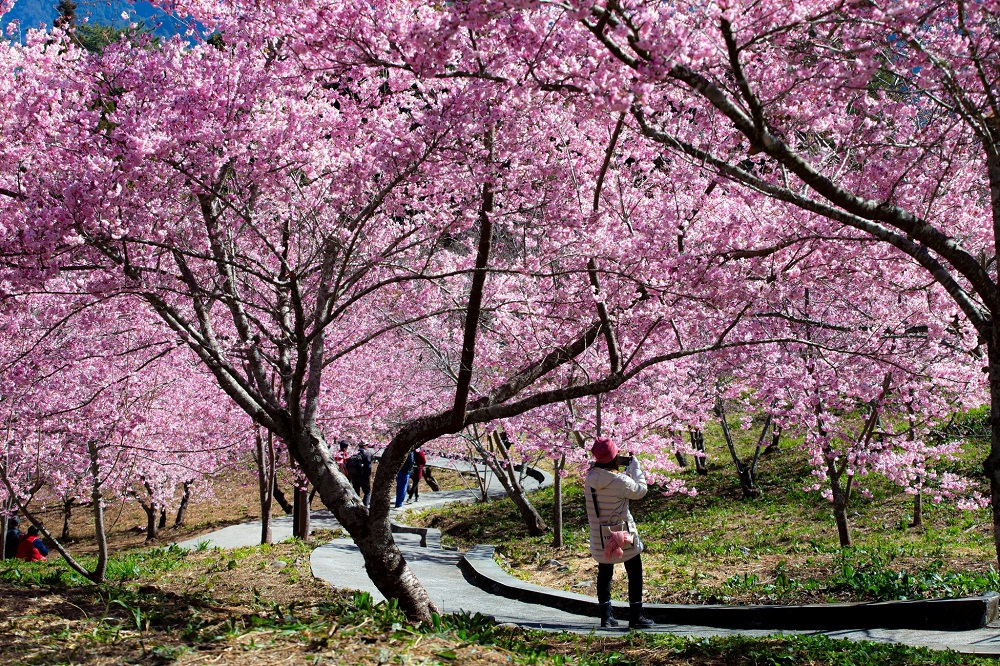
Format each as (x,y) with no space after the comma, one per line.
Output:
(369,528)
(96,496)
(502,467)
(185,500)
(280,498)
(532,518)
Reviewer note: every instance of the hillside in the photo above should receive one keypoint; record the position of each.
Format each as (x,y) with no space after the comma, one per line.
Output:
(39,13)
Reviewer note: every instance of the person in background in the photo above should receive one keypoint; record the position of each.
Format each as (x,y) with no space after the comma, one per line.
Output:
(31,548)
(613,534)
(341,458)
(403,478)
(359,467)
(419,462)
(13,538)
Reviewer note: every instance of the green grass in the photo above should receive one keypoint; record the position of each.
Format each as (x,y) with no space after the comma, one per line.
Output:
(122,567)
(648,649)
(164,607)
(781,548)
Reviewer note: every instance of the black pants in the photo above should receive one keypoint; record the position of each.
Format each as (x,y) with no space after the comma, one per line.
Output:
(633,568)
(363,487)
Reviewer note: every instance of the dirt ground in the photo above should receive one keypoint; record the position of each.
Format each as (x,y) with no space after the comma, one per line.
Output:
(234,500)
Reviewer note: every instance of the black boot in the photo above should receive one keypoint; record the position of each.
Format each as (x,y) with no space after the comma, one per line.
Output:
(636,620)
(607,619)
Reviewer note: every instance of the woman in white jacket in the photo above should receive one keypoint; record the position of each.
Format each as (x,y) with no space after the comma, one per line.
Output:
(613,534)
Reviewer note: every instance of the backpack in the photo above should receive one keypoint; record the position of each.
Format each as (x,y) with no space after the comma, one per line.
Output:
(359,465)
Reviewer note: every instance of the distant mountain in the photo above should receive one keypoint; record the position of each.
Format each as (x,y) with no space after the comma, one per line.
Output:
(38,13)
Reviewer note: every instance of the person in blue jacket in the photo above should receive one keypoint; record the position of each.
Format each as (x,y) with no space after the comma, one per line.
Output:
(403,479)
(13,538)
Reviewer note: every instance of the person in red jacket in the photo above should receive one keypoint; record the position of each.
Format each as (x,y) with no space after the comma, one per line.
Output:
(340,457)
(31,548)
(419,460)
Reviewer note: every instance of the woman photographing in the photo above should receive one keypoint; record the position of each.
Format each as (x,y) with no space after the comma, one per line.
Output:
(613,534)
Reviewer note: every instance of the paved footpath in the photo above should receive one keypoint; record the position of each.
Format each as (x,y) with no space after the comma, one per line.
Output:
(340,564)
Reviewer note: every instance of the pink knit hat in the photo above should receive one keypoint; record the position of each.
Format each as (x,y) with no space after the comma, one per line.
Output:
(604,450)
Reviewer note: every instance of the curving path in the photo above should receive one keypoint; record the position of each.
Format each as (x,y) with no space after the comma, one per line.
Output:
(340,564)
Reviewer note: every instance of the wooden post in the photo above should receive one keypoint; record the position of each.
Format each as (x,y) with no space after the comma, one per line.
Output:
(557,506)
(300,513)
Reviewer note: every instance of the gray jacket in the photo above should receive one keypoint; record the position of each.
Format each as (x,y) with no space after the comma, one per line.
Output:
(613,491)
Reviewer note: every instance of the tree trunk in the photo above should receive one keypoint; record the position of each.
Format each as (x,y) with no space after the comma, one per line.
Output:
(843,526)
(532,519)
(911,436)
(97,506)
(841,496)
(281,499)
(918,510)
(775,440)
(698,444)
(67,516)
(151,512)
(370,528)
(163,518)
(557,504)
(3,535)
(481,480)
(182,509)
(265,481)
(748,483)
(991,466)
(745,470)
(151,531)
(508,478)
(431,481)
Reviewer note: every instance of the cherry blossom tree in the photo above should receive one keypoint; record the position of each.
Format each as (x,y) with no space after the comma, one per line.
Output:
(313,216)
(542,192)
(99,400)
(882,120)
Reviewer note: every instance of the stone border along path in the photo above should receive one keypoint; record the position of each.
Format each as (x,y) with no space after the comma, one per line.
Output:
(460,582)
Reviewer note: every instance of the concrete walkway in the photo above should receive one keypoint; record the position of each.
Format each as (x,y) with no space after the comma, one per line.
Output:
(248,534)
(340,564)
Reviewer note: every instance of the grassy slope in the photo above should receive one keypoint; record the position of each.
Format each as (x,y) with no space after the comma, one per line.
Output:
(261,606)
(717,546)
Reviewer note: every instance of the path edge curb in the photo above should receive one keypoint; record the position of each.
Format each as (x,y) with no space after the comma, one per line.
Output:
(960,614)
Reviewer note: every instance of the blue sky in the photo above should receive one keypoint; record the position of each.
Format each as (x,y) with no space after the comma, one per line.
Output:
(33,13)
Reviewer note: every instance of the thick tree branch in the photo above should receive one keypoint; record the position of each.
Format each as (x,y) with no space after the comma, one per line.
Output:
(614,353)
(919,252)
(474,309)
